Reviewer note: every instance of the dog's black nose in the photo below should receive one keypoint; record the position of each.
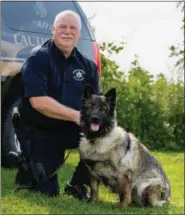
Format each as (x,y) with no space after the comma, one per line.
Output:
(95,119)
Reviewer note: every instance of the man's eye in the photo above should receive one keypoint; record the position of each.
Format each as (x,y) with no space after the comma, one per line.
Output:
(73,27)
(61,26)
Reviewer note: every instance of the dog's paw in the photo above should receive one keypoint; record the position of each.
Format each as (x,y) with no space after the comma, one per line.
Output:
(123,205)
(92,200)
(129,200)
(159,203)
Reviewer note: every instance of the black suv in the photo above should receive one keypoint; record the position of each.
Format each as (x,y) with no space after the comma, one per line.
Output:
(24,26)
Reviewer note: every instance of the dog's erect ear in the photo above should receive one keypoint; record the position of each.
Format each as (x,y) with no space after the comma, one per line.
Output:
(88,91)
(111,95)
(111,99)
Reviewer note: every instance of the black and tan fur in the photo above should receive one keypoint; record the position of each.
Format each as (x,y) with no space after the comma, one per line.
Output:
(117,158)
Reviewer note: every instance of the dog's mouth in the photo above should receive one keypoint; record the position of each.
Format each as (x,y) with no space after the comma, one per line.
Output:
(94,127)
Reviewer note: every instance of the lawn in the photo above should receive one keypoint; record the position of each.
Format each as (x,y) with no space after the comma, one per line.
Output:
(24,202)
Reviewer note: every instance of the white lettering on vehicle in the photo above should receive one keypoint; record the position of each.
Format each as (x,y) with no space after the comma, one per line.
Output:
(28,40)
(42,25)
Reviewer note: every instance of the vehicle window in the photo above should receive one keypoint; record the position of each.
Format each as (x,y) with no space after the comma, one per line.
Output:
(36,16)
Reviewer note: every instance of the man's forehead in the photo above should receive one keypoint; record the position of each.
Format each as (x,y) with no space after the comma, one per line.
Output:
(66,18)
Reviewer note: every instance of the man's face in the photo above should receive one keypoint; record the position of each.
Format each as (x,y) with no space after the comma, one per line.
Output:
(66,32)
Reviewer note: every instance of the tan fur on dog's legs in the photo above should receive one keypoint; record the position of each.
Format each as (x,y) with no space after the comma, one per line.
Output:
(125,190)
(94,189)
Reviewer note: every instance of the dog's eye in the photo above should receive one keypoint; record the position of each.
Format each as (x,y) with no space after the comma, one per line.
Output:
(89,106)
(103,108)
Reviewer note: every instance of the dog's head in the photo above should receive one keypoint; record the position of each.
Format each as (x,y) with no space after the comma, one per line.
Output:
(97,113)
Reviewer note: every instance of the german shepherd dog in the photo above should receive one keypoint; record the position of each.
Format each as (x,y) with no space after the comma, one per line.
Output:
(117,158)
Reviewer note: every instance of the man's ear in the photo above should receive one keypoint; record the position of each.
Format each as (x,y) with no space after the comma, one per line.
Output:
(111,95)
(88,91)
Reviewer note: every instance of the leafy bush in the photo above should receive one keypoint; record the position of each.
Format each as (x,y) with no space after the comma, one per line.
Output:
(151,109)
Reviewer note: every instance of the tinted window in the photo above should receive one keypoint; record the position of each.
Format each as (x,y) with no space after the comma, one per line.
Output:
(36,16)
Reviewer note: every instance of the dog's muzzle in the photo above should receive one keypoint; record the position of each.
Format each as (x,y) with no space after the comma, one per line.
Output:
(95,123)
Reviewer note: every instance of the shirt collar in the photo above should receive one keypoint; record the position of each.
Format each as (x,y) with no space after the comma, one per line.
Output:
(59,53)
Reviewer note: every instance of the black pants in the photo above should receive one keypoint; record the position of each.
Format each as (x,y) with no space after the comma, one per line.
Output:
(47,152)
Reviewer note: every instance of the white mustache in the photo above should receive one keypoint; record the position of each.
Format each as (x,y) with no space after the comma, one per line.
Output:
(66,37)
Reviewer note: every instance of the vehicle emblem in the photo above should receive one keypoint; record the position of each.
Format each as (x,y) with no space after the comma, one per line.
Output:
(40,9)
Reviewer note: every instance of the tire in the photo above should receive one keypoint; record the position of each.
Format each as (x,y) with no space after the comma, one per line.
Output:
(8,132)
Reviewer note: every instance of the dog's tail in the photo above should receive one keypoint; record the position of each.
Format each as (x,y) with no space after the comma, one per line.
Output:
(167,192)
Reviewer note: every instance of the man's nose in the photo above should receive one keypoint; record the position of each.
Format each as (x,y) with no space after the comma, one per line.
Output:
(68,30)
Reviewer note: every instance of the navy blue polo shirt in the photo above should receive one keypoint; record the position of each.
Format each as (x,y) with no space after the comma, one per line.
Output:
(48,73)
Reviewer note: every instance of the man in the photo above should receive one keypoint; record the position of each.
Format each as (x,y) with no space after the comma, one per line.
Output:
(53,80)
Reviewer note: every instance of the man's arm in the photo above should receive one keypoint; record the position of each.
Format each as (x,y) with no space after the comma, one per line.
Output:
(51,108)
(35,81)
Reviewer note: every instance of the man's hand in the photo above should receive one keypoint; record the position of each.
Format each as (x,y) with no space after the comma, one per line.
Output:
(77,117)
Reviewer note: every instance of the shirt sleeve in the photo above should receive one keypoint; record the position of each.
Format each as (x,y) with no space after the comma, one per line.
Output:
(35,76)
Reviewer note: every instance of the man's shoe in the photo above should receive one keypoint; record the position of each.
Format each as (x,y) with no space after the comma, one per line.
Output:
(78,191)
(24,178)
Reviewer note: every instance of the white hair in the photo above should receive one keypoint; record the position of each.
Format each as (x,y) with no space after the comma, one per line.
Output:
(66,13)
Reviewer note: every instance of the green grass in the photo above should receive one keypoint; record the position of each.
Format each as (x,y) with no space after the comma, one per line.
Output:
(24,202)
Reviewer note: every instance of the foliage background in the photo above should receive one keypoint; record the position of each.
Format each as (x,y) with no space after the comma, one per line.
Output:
(152,109)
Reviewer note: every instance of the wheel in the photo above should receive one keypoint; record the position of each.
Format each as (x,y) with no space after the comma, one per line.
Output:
(8,132)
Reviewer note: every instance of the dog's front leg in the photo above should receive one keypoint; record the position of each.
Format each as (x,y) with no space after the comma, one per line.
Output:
(94,185)
(125,190)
